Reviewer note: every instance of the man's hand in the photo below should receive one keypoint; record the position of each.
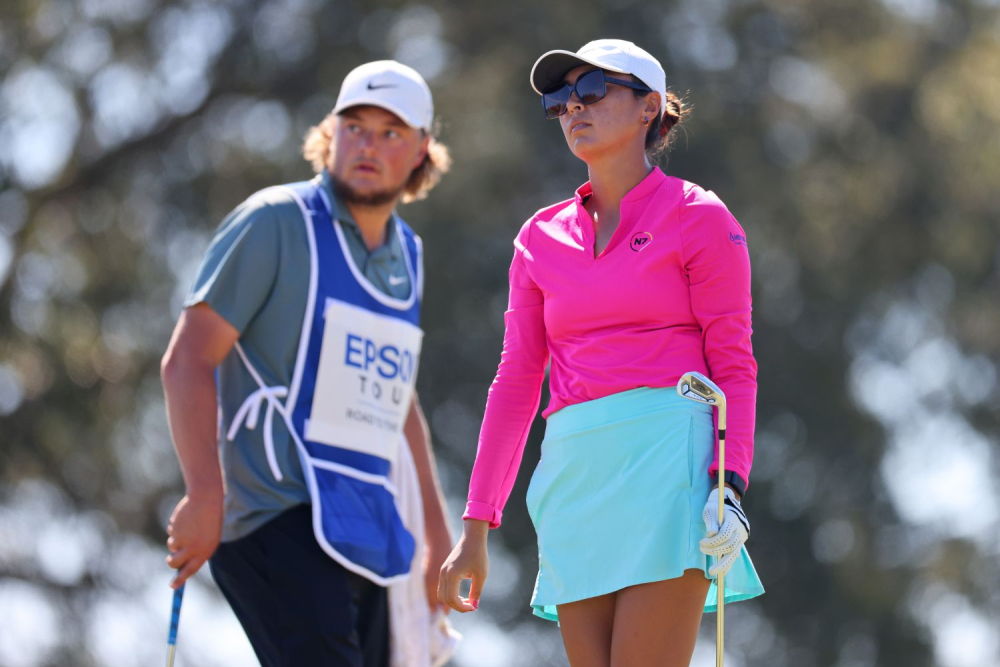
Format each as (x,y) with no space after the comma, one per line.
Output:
(194,530)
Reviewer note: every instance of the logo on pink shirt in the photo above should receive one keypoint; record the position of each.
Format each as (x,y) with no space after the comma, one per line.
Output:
(640,240)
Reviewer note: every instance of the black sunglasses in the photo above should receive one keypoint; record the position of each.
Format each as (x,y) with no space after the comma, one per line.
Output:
(590,87)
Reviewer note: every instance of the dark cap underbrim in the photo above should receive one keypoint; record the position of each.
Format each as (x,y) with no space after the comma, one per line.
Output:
(550,69)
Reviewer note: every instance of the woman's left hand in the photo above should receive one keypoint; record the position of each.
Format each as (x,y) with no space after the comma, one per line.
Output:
(724,541)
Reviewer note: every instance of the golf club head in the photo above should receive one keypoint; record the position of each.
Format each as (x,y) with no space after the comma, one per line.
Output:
(696,387)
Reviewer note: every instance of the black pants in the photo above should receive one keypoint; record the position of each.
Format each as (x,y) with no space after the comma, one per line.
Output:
(298,606)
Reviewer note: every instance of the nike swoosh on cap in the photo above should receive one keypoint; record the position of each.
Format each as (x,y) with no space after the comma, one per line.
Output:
(397,280)
(372,86)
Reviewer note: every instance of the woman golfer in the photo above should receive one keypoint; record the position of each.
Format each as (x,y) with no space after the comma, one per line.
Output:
(637,279)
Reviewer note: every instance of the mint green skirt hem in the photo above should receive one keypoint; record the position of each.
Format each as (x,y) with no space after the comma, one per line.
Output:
(617,497)
(549,612)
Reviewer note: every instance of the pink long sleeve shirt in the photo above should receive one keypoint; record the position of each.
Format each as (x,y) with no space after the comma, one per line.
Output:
(669,294)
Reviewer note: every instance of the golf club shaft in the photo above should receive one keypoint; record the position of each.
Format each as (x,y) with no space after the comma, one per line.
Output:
(697,387)
(719,624)
(720,585)
(175,619)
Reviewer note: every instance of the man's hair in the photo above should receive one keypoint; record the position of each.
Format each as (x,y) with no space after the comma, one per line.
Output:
(319,143)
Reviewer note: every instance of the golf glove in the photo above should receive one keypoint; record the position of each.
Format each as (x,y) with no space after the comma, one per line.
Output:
(726,541)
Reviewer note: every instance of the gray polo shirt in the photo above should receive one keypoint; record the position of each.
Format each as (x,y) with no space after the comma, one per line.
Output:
(384,266)
(255,274)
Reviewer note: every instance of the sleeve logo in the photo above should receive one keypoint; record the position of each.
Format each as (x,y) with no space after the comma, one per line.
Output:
(738,239)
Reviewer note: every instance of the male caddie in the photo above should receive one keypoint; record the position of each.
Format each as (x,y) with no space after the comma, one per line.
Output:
(293,364)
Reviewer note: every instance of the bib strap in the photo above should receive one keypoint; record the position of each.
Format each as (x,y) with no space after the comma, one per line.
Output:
(249,413)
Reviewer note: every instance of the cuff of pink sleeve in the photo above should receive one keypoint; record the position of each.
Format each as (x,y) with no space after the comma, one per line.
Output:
(483,512)
(713,472)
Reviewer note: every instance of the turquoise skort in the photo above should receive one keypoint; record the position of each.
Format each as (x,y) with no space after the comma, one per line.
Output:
(617,498)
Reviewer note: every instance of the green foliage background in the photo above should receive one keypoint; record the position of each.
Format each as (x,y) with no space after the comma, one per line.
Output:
(858,142)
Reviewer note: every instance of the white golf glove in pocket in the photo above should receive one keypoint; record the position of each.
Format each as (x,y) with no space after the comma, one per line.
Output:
(726,541)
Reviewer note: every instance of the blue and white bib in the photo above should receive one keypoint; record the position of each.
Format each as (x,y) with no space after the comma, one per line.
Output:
(349,397)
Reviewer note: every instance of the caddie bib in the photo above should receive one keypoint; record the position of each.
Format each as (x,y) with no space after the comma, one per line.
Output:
(349,397)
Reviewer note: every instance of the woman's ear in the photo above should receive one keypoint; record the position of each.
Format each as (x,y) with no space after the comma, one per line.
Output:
(652,107)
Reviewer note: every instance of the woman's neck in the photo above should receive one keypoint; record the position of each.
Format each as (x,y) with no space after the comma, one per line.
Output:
(610,182)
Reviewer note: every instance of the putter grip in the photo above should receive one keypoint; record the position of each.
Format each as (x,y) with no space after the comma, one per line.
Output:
(175,616)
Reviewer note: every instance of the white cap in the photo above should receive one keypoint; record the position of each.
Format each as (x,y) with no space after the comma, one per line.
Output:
(615,55)
(391,86)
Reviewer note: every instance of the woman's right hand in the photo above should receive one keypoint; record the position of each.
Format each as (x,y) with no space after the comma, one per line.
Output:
(468,560)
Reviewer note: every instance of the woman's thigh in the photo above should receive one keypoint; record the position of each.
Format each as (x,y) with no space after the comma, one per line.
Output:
(657,623)
(586,628)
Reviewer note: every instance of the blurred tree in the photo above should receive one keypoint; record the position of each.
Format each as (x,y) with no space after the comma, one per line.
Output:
(858,143)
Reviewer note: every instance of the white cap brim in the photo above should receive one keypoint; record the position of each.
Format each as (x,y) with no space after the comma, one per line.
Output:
(551,67)
(382,104)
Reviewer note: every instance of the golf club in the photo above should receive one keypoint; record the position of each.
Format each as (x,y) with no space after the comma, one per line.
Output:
(175,618)
(696,387)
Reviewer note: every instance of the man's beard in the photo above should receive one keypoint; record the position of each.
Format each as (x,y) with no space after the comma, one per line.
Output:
(377,198)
